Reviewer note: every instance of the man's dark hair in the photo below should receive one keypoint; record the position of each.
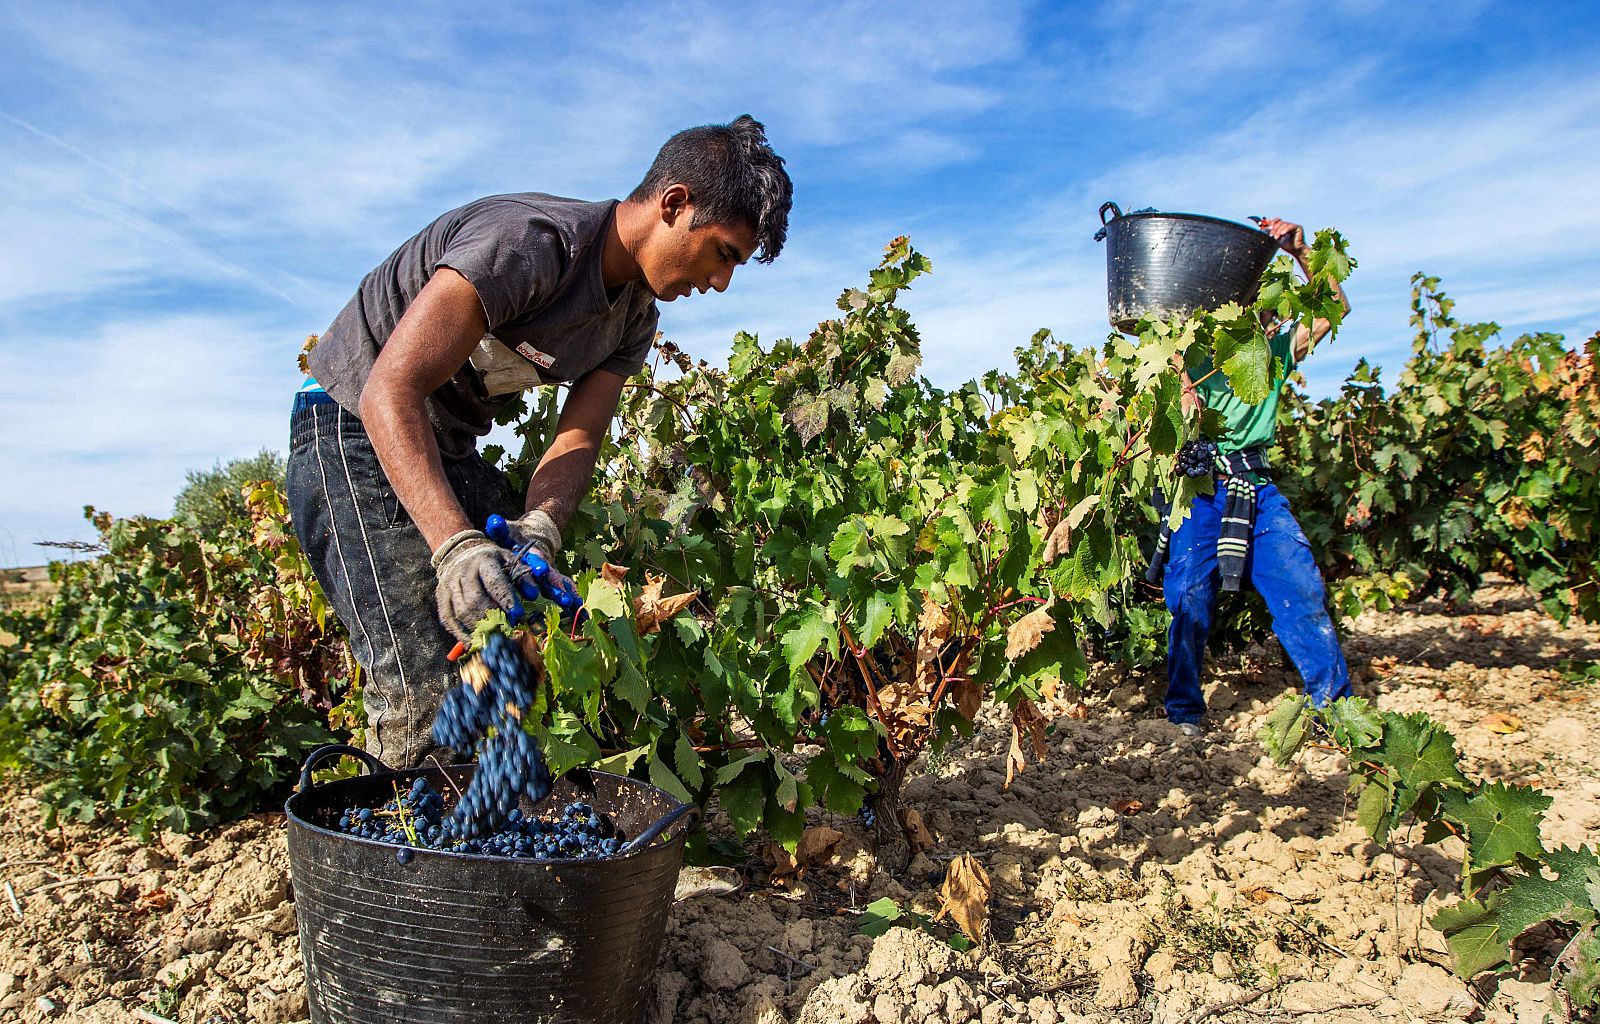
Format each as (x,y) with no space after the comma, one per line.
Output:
(733,176)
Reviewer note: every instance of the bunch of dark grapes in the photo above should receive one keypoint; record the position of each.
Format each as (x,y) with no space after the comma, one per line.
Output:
(1197,458)
(414,820)
(869,817)
(484,715)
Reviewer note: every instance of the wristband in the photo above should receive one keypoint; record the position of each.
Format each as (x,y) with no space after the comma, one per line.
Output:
(538,527)
(454,541)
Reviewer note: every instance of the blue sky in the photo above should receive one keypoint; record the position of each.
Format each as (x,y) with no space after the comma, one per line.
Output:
(193,188)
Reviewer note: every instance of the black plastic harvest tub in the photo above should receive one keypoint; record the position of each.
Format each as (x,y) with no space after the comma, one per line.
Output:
(452,937)
(1171,264)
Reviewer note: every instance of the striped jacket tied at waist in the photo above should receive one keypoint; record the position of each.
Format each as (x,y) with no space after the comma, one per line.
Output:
(1238,516)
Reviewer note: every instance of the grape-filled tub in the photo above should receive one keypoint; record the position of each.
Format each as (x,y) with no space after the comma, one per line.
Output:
(455,937)
(1171,264)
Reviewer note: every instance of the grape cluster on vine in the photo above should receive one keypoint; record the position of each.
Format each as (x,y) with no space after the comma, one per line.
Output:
(415,820)
(1198,457)
(484,715)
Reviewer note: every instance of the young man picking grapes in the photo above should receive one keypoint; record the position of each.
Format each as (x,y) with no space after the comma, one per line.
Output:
(1246,530)
(388,492)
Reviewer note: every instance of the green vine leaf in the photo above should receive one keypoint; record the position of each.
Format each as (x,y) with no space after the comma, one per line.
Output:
(1421,752)
(1532,899)
(1354,722)
(1473,935)
(812,629)
(1502,825)
(1287,728)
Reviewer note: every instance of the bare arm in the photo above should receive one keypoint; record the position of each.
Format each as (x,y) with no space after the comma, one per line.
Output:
(434,339)
(1292,239)
(564,474)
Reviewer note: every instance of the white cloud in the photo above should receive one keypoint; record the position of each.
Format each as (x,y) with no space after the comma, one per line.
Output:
(114,418)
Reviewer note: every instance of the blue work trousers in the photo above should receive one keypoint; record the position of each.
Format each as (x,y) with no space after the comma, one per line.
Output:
(1283,572)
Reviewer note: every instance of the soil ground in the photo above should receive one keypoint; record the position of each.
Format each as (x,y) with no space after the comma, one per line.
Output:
(1235,891)
(23,588)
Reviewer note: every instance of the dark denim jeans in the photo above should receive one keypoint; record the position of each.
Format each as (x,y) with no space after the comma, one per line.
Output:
(1281,569)
(374,566)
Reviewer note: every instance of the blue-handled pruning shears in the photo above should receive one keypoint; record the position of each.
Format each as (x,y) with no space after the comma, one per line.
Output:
(531,577)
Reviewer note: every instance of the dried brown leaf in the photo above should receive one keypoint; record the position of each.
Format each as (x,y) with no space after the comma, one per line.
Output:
(651,609)
(1025,719)
(968,697)
(916,830)
(304,359)
(474,671)
(1025,633)
(1502,723)
(1035,724)
(782,866)
(613,574)
(1081,510)
(1060,539)
(934,620)
(964,897)
(1129,807)
(1059,542)
(817,845)
(532,647)
(933,629)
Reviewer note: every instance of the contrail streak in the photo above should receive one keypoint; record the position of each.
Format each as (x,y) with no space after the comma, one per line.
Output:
(196,248)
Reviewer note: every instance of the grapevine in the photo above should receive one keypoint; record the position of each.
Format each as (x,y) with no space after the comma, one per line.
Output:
(861,558)
(1405,769)
(179,678)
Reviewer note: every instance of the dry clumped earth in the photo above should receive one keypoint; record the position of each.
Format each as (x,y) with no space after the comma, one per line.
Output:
(1138,875)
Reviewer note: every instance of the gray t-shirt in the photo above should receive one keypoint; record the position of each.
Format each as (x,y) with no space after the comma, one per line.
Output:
(535,262)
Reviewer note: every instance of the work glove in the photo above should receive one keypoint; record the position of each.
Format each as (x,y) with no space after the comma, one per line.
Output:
(474,579)
(538,527)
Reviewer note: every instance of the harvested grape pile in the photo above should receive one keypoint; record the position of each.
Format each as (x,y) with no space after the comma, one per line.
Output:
(414,820)
(1138,875)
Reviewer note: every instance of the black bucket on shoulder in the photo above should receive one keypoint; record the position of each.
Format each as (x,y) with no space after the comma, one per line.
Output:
(451,937)
(1171,264)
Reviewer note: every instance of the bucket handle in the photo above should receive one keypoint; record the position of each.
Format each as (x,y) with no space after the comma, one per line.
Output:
(1116,211)
(373,765)
(649,835)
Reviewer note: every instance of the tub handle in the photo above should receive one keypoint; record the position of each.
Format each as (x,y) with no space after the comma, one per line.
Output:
(1116,211)
(374,766)
(649,835)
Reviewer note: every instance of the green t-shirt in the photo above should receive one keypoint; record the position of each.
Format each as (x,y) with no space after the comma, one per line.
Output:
(1248,425)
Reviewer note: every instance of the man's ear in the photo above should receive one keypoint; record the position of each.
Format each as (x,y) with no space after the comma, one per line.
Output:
(673,202)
